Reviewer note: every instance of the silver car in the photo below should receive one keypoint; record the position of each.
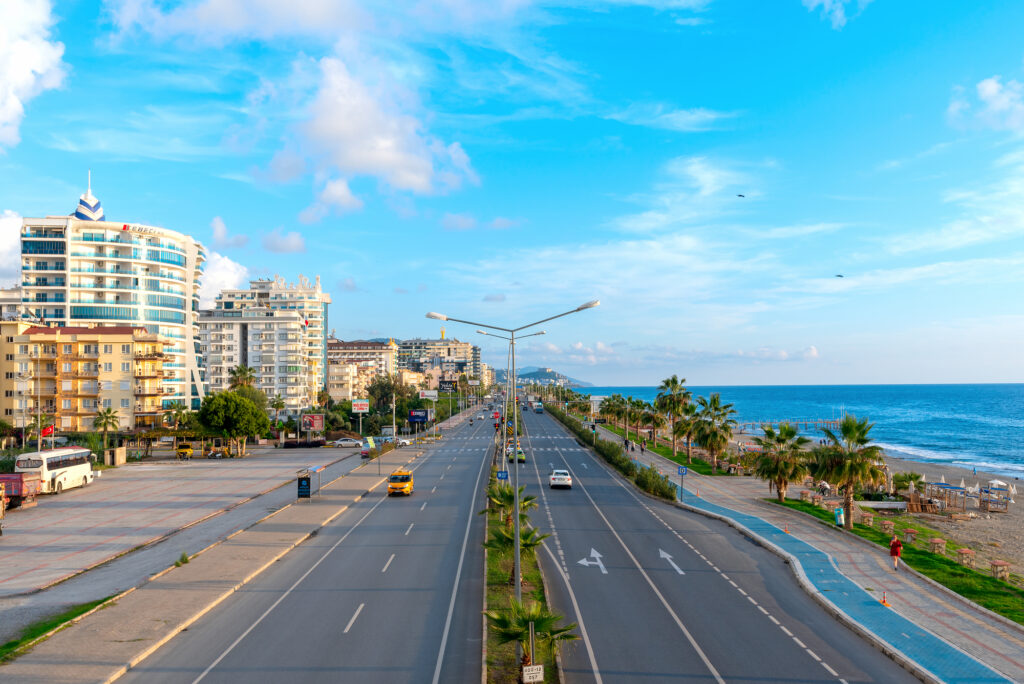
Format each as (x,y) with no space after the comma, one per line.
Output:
(560,478)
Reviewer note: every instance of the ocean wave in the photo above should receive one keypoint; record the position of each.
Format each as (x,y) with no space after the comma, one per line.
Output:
(920,454)
(1014,469)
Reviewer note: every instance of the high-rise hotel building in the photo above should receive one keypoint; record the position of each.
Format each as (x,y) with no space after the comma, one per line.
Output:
(83,269)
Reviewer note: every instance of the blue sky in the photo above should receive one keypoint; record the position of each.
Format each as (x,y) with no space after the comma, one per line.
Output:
(509,160)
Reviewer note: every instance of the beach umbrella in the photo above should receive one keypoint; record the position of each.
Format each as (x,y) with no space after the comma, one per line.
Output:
(942,479)
(911,489)
(962,485)
(996,483)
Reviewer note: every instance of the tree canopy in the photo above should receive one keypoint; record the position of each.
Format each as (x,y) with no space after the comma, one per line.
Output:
(233,416)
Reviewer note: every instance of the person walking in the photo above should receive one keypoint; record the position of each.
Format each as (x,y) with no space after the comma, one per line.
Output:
(895,550)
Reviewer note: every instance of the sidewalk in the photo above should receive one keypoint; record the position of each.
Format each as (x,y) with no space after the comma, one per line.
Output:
(101,647)
(933,629)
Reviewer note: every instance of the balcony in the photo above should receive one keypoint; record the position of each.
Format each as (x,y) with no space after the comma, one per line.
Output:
(141,410)
(147,374)
(148,356)
(141,391)
(85,373)
(89,355)
(84,391)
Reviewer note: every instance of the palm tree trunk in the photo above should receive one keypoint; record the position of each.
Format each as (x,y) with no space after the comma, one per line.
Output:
(848,505)
(780,490)
(673,439)
(689,452)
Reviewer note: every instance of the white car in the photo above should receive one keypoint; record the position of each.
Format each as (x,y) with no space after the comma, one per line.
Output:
(402,441)
(347,442)
(560,478)
(480,417)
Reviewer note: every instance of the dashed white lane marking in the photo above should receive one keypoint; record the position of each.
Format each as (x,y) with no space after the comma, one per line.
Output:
(800,643)
(761,608)
(423,506)
(751,599)
(433,489)
(813,655)
(830,670)
(442,477)
(783,628)
(353,620)
(407,531)
(772,618)
(386,565)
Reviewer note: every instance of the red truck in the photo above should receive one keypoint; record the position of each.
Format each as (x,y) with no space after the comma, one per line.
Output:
(20,489)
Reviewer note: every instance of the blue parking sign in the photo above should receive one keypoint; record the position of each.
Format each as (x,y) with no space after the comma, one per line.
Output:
(502,474)
(682,471)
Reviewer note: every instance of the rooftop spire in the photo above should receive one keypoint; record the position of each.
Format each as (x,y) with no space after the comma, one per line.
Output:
(89,208)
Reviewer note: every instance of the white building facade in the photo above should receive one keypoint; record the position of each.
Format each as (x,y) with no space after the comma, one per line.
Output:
(83,269)
(284,331)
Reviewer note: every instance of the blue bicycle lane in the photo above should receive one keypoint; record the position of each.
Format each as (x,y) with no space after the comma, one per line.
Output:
(942,660)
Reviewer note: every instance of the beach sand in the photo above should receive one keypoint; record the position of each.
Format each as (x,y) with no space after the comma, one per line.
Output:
(993,536)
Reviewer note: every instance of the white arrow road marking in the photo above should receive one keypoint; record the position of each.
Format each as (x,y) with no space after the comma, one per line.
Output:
(597,561)
(586,466)
(662,554)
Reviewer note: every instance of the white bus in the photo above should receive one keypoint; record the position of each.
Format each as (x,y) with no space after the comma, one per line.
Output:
(58,469)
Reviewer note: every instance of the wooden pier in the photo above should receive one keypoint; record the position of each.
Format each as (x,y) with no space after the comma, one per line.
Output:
(798,423)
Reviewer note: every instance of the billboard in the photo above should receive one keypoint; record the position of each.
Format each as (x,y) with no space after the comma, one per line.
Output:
(428,394)
(448,386)
(474,383)
(312,422)
(418,416)
(360,406)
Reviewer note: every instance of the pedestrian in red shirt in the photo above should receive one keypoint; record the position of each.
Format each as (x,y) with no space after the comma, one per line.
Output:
(895,549)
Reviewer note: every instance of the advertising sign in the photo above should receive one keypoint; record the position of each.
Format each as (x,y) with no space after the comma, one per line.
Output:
(418,416)
(304,487)
(533,673)
(474,383)
(312,422)
(360,406)
(447,386)
(428,394)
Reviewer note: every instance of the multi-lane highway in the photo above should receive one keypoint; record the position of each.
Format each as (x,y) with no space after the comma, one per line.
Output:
(391,591)
(665,595)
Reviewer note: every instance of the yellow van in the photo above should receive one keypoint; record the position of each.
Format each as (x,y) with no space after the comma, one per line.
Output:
(400,482)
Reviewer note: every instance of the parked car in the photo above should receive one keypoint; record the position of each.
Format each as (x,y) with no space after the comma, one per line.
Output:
(346,442)
(402,441)
(365,451)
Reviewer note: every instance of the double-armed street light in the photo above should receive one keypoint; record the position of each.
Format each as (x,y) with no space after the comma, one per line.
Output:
(515,414)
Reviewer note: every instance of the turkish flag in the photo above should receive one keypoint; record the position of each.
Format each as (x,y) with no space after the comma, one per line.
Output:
(47,431)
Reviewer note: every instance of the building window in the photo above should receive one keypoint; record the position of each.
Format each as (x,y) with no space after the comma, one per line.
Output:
(124,403)
(125,384)
(108,367)
(126,366)
(66,367)
(126,349)
(67,348)
(108,349)
(65,404)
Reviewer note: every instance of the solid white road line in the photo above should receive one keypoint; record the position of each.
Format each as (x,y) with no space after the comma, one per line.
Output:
(409,529)
(354,616)
(458,575)
(386,565)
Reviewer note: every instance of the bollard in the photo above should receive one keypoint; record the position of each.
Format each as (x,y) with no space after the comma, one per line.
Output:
(786,528)
(884,602)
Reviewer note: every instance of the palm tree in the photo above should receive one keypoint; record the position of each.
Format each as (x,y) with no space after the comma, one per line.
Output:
(106,419)
(714,426)
(501,499)
(902,480)
(672,397)
(782,457)
(38,424)
(513,625)
(503,539)
(849,460)
(242,376)
(655,421)
(686,427)
(176,413)
(277,403)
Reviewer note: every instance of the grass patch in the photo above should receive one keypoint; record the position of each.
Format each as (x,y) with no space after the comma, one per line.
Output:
(13,648)
(999,597)
(699,465)
(182,560)
(502,665)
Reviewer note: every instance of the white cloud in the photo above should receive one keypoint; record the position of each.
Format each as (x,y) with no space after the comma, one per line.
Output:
(284,243)
(220,273)
(502,223)
(358,130)
(656,115)
(693,188)
(348,285)
(221,239)
(10,248)
(1000,106)
(494,298)
(786,232)
(335,194)
(810,353)
(835,10)
(458,222)
(29,61)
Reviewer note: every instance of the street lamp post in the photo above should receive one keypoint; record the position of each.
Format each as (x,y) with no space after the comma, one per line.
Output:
(515,416)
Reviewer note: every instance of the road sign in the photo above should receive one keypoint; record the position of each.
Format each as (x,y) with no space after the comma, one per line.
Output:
(428,394)
(682,471)
(509,429)
(502,474)
(360,406)
(533,673)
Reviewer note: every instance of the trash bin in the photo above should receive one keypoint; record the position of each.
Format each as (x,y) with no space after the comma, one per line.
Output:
(840,516)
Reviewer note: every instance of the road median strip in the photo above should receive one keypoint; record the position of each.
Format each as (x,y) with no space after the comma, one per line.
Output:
(138,622)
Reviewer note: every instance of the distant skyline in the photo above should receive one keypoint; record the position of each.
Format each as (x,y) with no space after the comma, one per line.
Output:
(704,168)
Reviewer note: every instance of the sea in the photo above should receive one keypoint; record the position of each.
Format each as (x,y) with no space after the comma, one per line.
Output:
(970,426)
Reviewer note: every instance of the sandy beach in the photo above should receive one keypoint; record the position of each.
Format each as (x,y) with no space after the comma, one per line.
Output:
(993,536)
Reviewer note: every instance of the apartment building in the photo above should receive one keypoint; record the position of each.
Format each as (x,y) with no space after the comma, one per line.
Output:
(271,342)
(10,303)
(83,270)
(352,366)
(9,329)
(285,338)
(70,373)
(451,356)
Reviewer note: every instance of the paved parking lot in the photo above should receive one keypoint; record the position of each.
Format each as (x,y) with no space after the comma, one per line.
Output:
(130,506)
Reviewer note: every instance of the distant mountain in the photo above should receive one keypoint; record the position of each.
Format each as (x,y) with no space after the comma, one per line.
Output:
(542,376)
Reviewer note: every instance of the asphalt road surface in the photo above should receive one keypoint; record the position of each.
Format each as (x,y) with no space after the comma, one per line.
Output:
(391,591)
(662,594)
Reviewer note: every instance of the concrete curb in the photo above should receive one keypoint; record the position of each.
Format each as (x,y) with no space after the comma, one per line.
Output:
(162,537)
(949,593)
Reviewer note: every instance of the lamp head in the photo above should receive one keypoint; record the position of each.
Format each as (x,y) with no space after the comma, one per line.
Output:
(483,332)
(436,316)
(589,305)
